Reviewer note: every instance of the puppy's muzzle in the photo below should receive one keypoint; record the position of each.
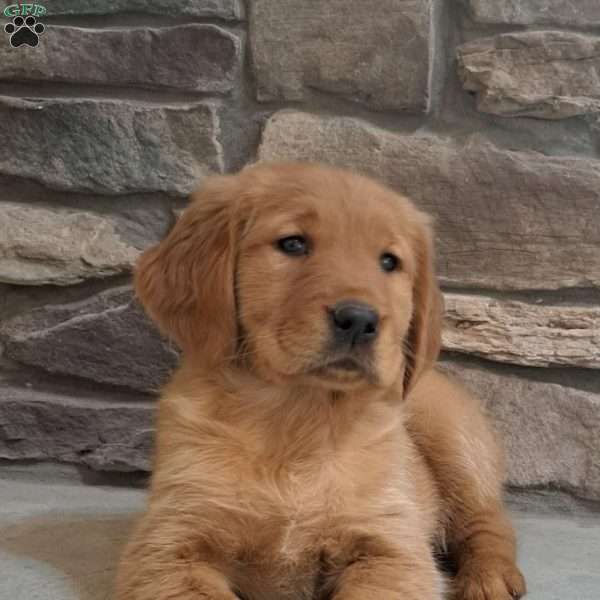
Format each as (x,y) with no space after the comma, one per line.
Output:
(353,323)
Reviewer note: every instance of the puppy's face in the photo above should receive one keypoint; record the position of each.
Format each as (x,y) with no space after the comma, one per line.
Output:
(301,273)
(325,273)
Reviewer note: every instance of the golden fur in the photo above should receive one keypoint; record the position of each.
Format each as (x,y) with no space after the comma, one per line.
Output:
(278,475)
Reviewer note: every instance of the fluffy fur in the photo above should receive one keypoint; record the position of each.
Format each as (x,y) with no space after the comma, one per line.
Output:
(277,474)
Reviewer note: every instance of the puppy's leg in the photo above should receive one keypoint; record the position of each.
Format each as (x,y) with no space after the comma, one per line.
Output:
(483,546)
(374,569)
(449,428)
(162,562)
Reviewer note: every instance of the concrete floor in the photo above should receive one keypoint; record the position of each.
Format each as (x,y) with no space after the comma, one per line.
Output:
(60,539)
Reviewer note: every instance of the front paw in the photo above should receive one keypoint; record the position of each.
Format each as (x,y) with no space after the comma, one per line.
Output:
(489,579)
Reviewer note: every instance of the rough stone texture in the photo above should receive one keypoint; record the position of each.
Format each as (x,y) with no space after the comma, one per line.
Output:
(41,245)
(571,13)
(549,431)
(107,339)
(101,433)
(521,333)
(107,146)
(377,55)
(139,219)
(188,57)
(505,220)
(543,74)
(222,9)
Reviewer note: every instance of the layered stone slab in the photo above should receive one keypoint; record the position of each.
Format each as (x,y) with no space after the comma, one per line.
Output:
(109,146)
(522,333)
(40,245)
(106,339)
(543,74)
(377,54)
(193,57)
(570,13)
(231,10)
(98,431)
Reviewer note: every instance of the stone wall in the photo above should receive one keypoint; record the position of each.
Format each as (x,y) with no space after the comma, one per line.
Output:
(486,112)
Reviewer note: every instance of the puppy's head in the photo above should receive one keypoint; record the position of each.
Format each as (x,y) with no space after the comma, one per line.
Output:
(301,273)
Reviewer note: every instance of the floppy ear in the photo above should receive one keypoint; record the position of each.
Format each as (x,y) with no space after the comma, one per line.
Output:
(424,336)
(186,283)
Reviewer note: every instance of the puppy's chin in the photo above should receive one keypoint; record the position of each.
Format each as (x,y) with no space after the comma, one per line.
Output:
(323,369)
(356,373)
(341,375)
(338,380)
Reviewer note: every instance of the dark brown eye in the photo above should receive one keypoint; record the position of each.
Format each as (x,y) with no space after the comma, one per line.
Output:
(294,245)
(389,262)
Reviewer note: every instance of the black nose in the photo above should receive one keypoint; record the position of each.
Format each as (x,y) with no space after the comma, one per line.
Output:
(354,323)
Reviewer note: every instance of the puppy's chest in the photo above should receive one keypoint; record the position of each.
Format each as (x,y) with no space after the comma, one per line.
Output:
(278,511)
(291,509)
(296,508)
(292,517)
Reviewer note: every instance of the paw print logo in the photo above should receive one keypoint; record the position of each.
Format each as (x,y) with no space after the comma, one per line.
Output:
(24,31)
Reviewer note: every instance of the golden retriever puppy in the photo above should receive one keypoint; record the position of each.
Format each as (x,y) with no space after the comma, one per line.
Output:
(306,448)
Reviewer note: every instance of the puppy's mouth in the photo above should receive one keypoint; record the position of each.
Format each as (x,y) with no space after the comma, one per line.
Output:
(344,364)
(343,367)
